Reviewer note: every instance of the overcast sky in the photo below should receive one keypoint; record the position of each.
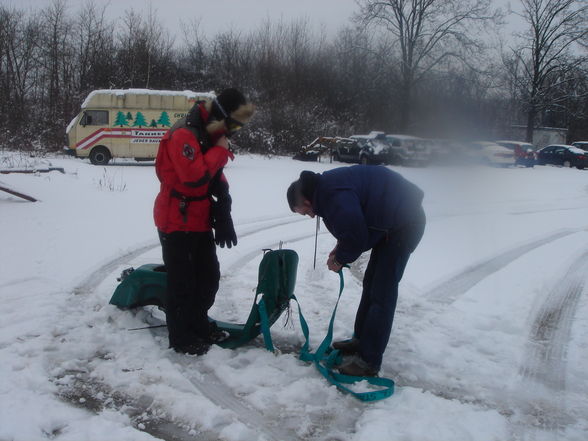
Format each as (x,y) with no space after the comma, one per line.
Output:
(222,15)
(244,15)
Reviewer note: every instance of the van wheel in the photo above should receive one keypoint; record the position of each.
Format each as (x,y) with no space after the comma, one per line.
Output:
(100,156)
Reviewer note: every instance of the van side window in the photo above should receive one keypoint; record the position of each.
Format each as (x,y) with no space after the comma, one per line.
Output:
(95,118)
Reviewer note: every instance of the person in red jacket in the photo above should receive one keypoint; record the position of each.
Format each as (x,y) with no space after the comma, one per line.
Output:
(193,199)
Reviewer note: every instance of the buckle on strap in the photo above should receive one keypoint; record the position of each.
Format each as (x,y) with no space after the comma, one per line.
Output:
(185,202)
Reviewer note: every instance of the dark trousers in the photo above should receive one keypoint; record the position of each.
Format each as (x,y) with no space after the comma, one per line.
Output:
(375,314)
(193,276)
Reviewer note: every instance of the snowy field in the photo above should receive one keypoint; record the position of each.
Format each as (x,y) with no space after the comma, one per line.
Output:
(490,340)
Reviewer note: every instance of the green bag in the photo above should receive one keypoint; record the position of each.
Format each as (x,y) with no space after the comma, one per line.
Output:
(147,285)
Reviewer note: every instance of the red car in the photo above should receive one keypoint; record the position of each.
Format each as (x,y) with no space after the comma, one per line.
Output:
(524,152)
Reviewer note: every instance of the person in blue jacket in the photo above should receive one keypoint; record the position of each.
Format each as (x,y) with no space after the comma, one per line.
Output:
(366,207)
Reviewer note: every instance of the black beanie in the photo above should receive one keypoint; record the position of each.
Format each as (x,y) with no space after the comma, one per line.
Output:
(291,194)
(303,186)
(230,100)
(307,184)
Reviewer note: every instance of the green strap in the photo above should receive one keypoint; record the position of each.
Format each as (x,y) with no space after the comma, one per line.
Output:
(326,358)
(264,324)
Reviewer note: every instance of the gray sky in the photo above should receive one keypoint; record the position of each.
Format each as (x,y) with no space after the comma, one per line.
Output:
(222,15)
(244,15)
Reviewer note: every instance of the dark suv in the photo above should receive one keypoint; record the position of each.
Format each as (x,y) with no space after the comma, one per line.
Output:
(347,150)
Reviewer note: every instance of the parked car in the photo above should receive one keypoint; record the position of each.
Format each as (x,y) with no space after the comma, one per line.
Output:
(490,153)
(564,155)
(408,150)
(346,150)
(322,146)
(373,148)
(581,145)
(524,152)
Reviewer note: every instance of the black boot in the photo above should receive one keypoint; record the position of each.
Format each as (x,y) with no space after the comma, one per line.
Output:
(216,335)
(358,367)
(347,347)
(198,346)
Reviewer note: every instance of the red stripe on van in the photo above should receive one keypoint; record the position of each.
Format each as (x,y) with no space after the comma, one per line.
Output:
(88,137)
(107,134)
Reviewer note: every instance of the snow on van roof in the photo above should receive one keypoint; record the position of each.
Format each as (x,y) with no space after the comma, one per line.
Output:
(121,92)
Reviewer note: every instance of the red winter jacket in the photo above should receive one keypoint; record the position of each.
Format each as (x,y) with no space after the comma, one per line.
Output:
(184,170)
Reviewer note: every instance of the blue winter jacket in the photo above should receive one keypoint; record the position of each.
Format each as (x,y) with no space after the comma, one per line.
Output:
(361,205)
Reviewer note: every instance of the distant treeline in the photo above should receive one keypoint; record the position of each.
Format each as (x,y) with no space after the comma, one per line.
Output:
(303,83)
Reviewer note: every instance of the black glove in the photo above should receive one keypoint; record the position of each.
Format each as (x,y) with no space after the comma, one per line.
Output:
(222,222)
(224,232)
(220,212)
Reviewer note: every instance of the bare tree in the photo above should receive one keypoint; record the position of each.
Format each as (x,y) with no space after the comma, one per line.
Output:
(553,28)
(428,33)
(365,83)
(94,48)
(18,52)
(55,50)
(145,50)
(193,58)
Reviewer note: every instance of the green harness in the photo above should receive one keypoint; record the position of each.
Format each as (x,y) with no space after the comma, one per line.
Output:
(276,280)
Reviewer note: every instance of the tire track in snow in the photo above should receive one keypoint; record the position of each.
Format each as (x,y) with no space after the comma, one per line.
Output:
(21,281)
(89,284)
(544,362)
(554,312)
(93,280)
(450,290)
(271,427)
(255,253)
(273,423)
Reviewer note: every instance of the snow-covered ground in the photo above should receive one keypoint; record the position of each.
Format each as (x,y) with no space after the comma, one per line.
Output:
(489,341)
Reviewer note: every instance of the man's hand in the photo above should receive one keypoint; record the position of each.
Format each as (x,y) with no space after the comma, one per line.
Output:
(332,264)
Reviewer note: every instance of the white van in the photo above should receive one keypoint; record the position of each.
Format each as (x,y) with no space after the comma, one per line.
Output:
(126,123)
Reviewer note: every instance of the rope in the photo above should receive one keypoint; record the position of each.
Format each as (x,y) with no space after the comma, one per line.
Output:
(325,359)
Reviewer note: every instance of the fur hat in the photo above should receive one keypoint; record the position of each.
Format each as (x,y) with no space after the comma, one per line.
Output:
(231,102)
